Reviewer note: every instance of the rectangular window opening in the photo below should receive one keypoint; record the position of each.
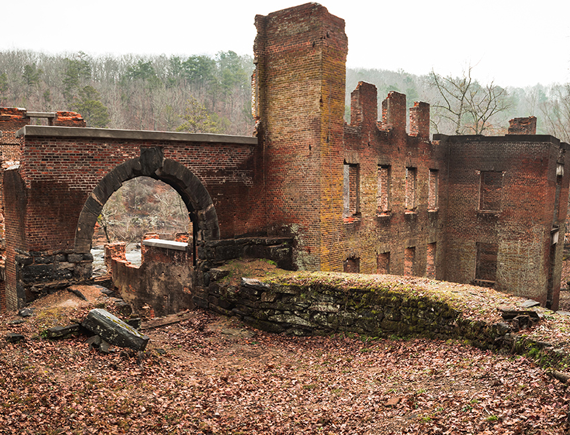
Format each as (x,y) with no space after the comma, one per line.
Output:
(433,189)
(487,261)
(490,190)
(430,261)
(409,261)
(383,263)
(411,177)
(384,181)
(352,265)
(351,190)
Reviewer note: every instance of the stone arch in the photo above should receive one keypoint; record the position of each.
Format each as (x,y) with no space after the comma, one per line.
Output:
(151,163)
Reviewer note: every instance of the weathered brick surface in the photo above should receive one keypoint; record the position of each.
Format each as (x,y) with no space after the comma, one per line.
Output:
(163,281)
(389,223)
(522,125)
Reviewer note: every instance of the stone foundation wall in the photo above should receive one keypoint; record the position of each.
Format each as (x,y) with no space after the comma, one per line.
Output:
(322,309)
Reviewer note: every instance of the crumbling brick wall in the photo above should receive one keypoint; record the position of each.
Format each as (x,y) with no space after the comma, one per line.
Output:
(394,170)
(163,281)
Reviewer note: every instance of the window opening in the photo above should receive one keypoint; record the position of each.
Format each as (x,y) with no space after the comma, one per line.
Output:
(409,261)
(411,176)
(351,190)
(383,263)
(352,265)
(487,261)
(384,181)
(430,261)
(490,192)
(433,181)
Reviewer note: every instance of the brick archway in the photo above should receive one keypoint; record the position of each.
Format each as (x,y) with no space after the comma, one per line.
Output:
(151,163)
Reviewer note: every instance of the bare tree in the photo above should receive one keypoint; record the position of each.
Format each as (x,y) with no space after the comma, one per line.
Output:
(556,112)
(464,105)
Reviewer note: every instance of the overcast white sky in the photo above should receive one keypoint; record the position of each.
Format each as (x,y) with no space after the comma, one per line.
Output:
(514,43)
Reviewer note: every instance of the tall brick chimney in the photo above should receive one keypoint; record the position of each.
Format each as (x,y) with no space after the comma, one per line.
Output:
(299,88)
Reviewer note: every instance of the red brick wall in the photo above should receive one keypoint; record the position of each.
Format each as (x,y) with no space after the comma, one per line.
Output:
(57,175)
(520,225)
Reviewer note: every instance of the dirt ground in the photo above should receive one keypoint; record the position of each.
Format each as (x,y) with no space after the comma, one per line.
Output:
(213,375)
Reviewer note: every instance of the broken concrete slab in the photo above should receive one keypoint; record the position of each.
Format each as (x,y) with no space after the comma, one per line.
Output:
(114,330)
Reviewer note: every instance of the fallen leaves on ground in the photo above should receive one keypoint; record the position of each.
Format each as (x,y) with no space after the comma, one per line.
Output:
(219,377)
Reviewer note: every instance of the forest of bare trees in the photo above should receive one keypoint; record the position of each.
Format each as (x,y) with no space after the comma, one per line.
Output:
(213,94)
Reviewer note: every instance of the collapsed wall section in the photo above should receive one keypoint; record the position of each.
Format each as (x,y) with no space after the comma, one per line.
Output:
(162,283)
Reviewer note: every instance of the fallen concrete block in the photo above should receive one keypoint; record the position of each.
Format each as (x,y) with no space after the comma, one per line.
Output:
(114,330)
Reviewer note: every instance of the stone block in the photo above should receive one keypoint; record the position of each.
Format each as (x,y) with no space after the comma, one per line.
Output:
(114,330)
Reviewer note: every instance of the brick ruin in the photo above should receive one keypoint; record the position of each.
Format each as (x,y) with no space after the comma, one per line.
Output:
(310,190)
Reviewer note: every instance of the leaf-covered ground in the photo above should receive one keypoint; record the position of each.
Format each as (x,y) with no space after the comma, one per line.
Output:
(217,376)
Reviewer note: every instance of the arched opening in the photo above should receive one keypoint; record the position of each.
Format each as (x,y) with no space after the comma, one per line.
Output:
(140,206)
(152,164)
